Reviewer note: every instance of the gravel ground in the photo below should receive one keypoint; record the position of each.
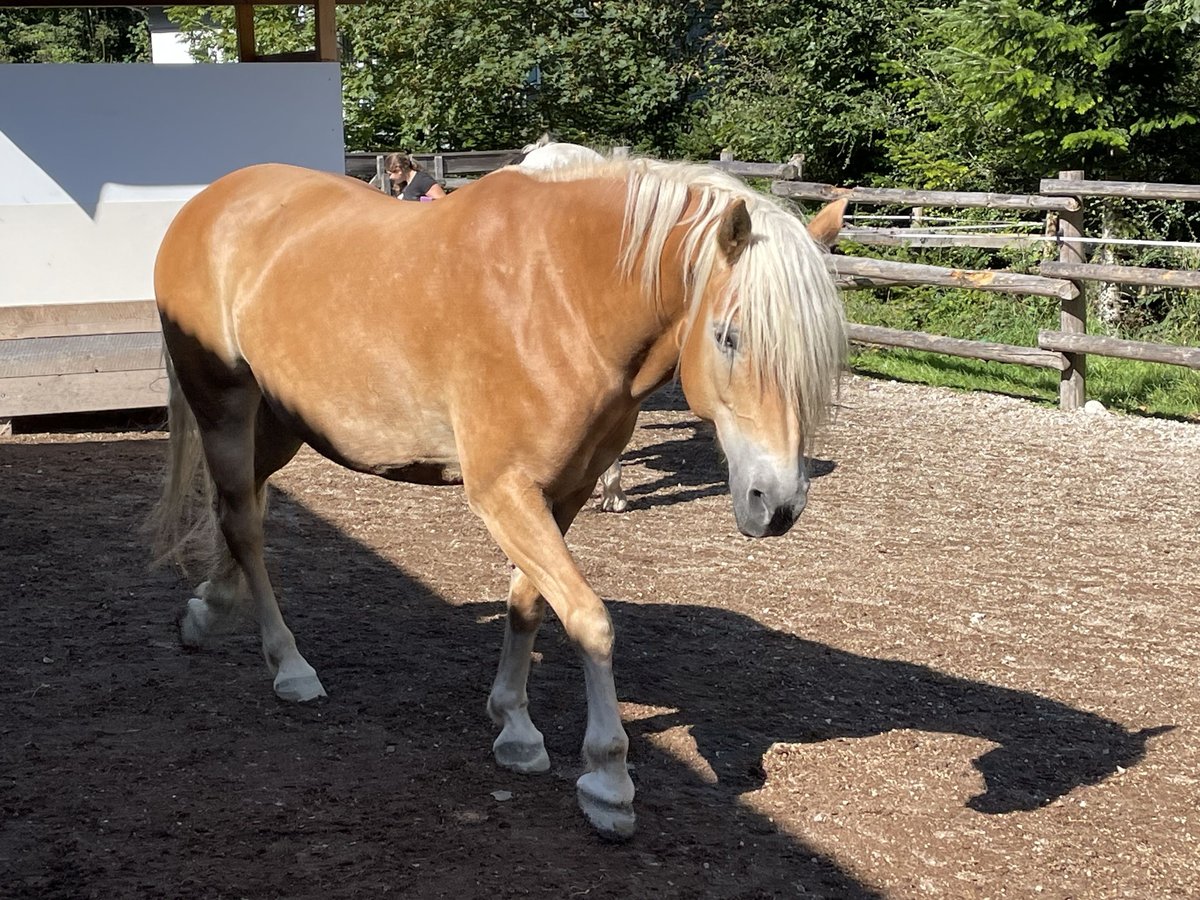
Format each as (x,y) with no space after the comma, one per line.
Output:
(970,671)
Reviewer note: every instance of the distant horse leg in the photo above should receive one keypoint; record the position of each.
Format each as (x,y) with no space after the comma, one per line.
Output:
(242,450)
(612,498)
(517,516)
(520,746)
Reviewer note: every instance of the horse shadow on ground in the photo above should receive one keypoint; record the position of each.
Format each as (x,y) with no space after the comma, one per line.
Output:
(133,765)
(687,468)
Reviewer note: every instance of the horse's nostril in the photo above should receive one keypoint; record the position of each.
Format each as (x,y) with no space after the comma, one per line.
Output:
(782,521)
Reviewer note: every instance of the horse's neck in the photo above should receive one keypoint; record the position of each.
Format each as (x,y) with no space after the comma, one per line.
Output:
(658,365)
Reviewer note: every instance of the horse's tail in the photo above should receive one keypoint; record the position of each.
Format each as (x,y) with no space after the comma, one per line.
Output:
(183,525)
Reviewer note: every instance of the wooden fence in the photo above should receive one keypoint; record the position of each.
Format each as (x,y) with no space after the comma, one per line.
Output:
(1065,348)
(99,356)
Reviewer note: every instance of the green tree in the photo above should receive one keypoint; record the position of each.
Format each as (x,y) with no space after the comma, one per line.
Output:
(73,36)
(481,74)
(1005,91)
(784,78)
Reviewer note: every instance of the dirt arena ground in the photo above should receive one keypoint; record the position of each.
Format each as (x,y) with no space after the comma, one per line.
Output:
(972,670)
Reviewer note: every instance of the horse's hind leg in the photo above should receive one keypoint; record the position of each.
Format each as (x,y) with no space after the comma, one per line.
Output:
(221,605)
(519,746)
(243,446)
(612,498)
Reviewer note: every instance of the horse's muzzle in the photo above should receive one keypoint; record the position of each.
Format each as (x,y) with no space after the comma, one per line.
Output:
(761,516)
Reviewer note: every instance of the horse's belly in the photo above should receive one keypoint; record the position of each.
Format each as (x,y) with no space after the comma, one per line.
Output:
(402,442)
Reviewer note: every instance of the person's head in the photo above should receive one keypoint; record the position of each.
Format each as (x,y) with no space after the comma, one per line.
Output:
(400,166)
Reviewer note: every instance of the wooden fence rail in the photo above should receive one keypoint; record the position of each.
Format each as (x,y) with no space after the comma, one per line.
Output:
(1065,349)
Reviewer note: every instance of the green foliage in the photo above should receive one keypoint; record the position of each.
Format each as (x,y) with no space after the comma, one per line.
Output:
(480,74)
(783,78)
(1006,91)
(73,36)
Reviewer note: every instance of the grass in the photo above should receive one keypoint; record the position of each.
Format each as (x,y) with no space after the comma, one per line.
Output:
(1128,386)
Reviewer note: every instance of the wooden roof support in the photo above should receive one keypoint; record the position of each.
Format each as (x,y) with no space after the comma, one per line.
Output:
(327,45)
(247,51)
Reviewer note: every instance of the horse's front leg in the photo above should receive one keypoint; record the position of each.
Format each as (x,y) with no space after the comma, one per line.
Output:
(519,518)
(520,746)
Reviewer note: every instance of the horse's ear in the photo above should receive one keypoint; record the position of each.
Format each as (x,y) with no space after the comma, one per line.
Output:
(825,226)
(733,235)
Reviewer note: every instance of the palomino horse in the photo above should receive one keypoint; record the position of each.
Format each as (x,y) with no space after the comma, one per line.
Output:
(548,154)
(511,357)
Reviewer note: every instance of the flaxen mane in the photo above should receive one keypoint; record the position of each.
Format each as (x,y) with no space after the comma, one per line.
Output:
(790,314)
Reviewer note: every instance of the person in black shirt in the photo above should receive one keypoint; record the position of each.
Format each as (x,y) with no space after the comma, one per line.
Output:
(409,180)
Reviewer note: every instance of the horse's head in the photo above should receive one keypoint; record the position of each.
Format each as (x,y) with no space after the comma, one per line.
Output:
(761,354)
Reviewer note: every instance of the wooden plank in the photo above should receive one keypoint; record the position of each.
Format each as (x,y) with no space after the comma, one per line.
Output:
(473,162)
(1139,190)
(287,56)
(1067,342)
(859,272)
(1180,278)
(919,340)
(756,169)
(903,237)
(80,353)
(60,319)
(467,162)
(809,190)
(43,394)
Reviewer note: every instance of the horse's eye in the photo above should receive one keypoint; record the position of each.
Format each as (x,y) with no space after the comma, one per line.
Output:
(727,339)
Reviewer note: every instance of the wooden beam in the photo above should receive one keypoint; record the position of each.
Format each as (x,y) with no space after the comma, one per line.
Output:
(808,190)
(858,272)
(919,340)
(61,319)
(38,395)
(904,237)
(247,49)
(80,354)
(1137,189)
(327,43)
(786,171)
(1067,342)
(1121,274)
(288,56)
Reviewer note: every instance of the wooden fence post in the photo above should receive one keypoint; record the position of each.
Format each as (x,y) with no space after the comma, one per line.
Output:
(726,156)
(381,173)
(1072,385)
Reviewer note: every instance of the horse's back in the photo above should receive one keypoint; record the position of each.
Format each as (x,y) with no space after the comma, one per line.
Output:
(224,236)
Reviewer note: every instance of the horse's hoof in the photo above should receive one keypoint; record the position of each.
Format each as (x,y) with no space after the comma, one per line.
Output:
(614,504)
(527,759)
(193,624)
(614,820)
(299,688)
